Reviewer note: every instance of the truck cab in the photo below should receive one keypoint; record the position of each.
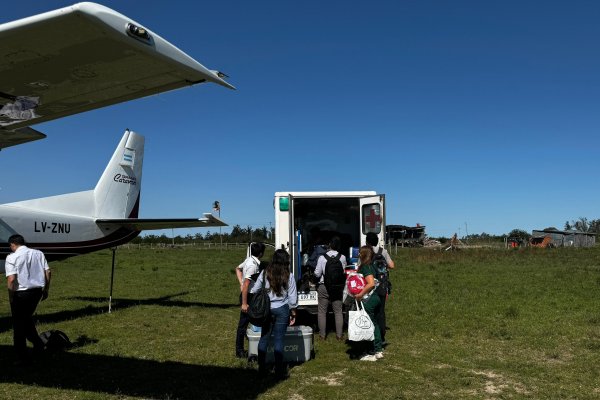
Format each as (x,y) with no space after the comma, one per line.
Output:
(306,219)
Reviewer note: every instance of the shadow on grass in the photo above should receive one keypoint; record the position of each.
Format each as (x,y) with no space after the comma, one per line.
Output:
(134,377)
(117,304)
(166,301)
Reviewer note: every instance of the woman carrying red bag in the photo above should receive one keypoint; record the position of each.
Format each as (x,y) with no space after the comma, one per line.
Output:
(370,301)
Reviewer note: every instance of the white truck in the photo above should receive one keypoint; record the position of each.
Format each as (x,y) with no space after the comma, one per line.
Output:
(303,219)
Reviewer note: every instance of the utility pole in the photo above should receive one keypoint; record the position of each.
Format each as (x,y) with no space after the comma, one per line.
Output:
(217,208)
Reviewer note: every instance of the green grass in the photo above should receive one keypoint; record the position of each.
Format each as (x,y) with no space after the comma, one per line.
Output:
(474,324)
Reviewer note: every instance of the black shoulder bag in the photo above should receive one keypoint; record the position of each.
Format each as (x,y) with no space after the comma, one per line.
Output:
(259,308)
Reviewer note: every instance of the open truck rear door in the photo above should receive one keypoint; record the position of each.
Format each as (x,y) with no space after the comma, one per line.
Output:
(306,299)
(372,217)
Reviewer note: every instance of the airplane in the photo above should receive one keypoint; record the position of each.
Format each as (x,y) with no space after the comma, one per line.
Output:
(72,60)
(80,58)
(76,223)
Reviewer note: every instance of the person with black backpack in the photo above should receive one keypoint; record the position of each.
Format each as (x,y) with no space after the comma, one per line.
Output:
(332,278)
(382,263)
(280,285)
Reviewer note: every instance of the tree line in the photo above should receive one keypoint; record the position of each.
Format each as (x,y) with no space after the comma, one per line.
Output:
(248,234)
(582,225)
(238,234)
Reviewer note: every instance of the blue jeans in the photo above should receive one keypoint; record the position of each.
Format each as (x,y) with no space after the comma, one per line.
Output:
(280,319)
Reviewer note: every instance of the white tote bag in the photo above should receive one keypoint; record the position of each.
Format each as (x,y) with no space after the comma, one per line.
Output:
(360,326)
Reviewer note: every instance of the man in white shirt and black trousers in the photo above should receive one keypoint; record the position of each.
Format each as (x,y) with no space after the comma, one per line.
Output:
(247,272)
(28,279)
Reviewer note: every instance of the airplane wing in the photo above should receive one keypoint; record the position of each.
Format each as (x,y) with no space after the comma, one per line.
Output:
(19,136)
(141,224)
(80,58)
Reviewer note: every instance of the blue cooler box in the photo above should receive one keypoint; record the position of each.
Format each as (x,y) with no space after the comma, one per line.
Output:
(354,255)
(297,345)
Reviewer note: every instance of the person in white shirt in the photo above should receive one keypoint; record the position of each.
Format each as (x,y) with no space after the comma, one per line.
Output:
(28,280)
(246,273)
(326,298)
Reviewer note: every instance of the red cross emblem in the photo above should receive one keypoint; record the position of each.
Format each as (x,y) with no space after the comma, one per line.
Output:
(372,219)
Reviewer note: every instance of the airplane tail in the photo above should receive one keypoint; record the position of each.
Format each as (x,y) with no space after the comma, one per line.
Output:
(117,193)
(114,202)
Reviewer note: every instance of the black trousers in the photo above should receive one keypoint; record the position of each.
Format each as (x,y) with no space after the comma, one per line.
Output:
(381,318)
(241,329)
(22,308)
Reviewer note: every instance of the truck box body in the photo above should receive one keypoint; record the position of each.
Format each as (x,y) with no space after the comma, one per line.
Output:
(303,219)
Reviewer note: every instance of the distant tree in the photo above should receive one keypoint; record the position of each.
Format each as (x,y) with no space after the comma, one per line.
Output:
(519,233)
(568,226)
(150,239)
(237,233)
(582,224)
(177,240)
(260,234)
(595,226)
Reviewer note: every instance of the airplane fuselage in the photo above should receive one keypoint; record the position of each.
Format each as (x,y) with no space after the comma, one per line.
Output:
(59,236)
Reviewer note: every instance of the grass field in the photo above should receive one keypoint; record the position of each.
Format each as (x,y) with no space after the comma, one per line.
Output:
(476,324)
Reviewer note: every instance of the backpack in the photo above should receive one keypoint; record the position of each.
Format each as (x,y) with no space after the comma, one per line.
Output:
(55,340)
(335,277)
(381,274)
(259,308)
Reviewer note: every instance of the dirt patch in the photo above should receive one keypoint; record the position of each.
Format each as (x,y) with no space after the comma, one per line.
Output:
(497,384)
(333,379)
(487,374)
(492,388)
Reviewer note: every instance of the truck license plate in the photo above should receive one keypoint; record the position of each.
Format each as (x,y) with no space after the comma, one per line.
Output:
(312,296)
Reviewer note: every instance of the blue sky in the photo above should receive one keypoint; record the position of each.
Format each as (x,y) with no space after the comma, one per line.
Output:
(462,112)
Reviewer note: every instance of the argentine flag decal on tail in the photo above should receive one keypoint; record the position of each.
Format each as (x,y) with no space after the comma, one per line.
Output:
(128,158)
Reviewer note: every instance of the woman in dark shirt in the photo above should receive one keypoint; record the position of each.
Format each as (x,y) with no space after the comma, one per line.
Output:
(369,299)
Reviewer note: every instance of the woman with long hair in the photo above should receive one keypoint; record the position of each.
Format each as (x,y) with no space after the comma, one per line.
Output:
(284,300)
(370,300)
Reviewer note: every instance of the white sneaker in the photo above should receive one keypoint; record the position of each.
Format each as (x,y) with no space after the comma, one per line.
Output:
(379,355)
(368,357)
